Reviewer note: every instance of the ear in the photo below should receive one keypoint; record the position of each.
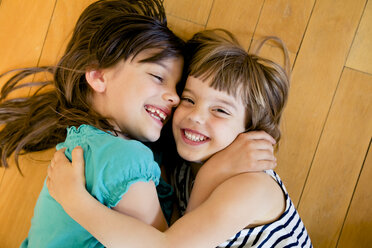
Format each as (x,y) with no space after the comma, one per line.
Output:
(96,80)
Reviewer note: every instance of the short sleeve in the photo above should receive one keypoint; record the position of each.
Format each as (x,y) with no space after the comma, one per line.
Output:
(112,164)
(115,166)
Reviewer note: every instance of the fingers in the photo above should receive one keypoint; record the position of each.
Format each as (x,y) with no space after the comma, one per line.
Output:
(266,165)
(49,173)
(59,156)
(255,135)
(262,155)
(261,145)
(77,156)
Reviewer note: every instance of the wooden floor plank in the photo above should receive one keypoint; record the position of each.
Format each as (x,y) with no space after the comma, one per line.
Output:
(360,57)
(18,194)
(358,225)
(314,80)
(238,16)
(182,28)
(189,10)
(286,19)
(21,34)
(338,159)
(18,197)
(65,16)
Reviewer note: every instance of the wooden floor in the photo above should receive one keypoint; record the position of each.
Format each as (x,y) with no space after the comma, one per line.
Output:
(325,157)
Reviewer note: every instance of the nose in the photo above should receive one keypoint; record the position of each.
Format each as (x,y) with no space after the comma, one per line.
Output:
(172,97)
(198,115)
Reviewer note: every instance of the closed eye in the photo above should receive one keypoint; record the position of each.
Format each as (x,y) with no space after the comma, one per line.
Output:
(160,79)
(222,111)
(187,100)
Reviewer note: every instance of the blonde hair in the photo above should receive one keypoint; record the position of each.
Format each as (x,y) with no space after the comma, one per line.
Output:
(262,84)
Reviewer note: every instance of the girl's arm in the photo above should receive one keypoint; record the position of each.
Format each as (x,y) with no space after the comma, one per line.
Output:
(250,152)
(140,201)
(232,205)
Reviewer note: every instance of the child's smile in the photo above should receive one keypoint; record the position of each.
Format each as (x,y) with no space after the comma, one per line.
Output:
(160,115)
(139,96)
(193,137)
(206,121)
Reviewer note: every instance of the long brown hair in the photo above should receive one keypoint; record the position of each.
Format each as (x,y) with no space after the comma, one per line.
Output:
(107,31)
(262,84)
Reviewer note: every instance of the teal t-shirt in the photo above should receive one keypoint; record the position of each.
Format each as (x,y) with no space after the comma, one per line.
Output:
(112,165)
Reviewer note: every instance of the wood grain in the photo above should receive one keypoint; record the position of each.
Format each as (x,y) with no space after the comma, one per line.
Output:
(360,56)
(18,195)
(238,16)
(315,77)
(286,19)
(189,10)
(338,159)
(21,34)
(182,28)
(358,225)
(62,24)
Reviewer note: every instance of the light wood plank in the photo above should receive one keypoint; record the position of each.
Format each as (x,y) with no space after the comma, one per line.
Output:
(18,197)
(189,10)
(62,24)
(360,56)
(238,16)
(23,26)
(2,173)
(338,159)
(18,194)
(286,19)
(182,28)
(358,225)
(314,80)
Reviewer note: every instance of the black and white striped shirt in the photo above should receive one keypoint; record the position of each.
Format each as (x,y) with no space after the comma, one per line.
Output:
(287,231)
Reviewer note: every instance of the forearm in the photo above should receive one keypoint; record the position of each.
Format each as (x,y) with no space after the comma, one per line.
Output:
(112,228)
(206,181)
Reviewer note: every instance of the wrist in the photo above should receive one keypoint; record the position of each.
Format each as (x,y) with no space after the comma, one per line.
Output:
(74,200)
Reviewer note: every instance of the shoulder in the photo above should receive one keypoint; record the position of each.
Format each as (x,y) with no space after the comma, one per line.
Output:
(257,196)
(110,147)
(129,156)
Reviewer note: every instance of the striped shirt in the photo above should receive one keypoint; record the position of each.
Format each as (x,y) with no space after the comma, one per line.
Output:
(287,231)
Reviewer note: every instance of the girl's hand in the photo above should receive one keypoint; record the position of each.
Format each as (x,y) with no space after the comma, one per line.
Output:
(250,152)
(66,180)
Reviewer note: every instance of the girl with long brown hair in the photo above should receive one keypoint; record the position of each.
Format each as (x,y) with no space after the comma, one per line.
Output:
(114,87)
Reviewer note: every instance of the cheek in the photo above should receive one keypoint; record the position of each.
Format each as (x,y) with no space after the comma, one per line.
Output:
(178,115)
(226,132)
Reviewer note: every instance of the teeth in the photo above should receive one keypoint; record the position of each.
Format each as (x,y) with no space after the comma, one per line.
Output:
(156,113)
(194,137)
(156,117)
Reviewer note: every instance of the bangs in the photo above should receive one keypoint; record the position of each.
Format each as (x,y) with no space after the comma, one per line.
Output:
(225,68)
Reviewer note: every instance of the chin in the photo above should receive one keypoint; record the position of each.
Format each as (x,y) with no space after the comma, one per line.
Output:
(155,137)
(191,157)
(149,137)
(152,138)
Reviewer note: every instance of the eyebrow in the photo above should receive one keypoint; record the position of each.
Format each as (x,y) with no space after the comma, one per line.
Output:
(219,100)
(227,103)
